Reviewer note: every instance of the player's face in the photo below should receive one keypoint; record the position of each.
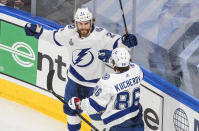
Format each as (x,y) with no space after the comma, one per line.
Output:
(84,28)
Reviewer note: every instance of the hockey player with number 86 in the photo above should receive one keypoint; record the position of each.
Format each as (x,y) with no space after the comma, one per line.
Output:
(116,95)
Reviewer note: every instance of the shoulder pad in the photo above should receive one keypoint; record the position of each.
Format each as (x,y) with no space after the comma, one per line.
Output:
(71,26)
(106,76)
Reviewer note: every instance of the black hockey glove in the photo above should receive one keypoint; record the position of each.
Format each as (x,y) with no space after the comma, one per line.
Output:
(33,30)
(129,40)
(104,55)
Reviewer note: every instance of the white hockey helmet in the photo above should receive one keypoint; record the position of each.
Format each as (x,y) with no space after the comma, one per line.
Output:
(121,57)
(83,14)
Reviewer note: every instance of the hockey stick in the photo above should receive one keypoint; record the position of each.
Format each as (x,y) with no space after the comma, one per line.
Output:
(109,66)
(50,88)
(123,17)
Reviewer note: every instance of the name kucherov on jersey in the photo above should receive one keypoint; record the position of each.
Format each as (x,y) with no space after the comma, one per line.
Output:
(128,83)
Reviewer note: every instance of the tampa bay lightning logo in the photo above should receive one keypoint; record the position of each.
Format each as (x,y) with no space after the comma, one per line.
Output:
(82,57)
(106,77)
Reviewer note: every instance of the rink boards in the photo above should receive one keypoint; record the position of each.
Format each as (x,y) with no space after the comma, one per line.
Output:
(25,62)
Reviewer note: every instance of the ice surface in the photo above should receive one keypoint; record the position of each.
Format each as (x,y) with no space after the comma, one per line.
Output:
(17,117)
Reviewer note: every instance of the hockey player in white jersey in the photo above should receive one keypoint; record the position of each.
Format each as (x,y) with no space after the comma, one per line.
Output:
(116,95)
(88,47)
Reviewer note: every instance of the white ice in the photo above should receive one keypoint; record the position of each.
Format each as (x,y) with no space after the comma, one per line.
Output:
(17,117)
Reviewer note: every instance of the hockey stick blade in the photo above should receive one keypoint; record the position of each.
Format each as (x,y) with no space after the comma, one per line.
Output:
(50,88)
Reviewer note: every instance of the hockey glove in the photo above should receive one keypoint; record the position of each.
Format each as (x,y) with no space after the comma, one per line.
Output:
(104,55)
(129,40)
(33,30)
(74,103)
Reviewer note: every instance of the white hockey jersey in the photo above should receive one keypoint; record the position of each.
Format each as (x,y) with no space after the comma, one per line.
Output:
(117,96)
(85,67)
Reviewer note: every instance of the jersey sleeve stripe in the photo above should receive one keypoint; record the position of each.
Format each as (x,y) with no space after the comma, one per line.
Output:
(57,43)
(115,44)
(96,106)
(74,127)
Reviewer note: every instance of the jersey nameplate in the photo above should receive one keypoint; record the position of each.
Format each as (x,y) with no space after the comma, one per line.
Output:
(125,84)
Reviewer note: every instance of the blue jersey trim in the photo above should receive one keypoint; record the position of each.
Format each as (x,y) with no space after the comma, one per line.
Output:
(120,114)
(93,27)
(56,42)
(74,127)
(95,105)
(115,44)
(79,77)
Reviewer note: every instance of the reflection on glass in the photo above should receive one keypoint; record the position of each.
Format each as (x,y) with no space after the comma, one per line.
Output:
(18,4)
(60,11)
(167,31)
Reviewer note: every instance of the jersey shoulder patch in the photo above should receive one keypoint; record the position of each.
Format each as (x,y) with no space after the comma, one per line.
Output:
(106,76)
(111,35)
(99,29)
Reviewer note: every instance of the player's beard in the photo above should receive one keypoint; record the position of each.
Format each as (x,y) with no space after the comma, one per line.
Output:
(84,32)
